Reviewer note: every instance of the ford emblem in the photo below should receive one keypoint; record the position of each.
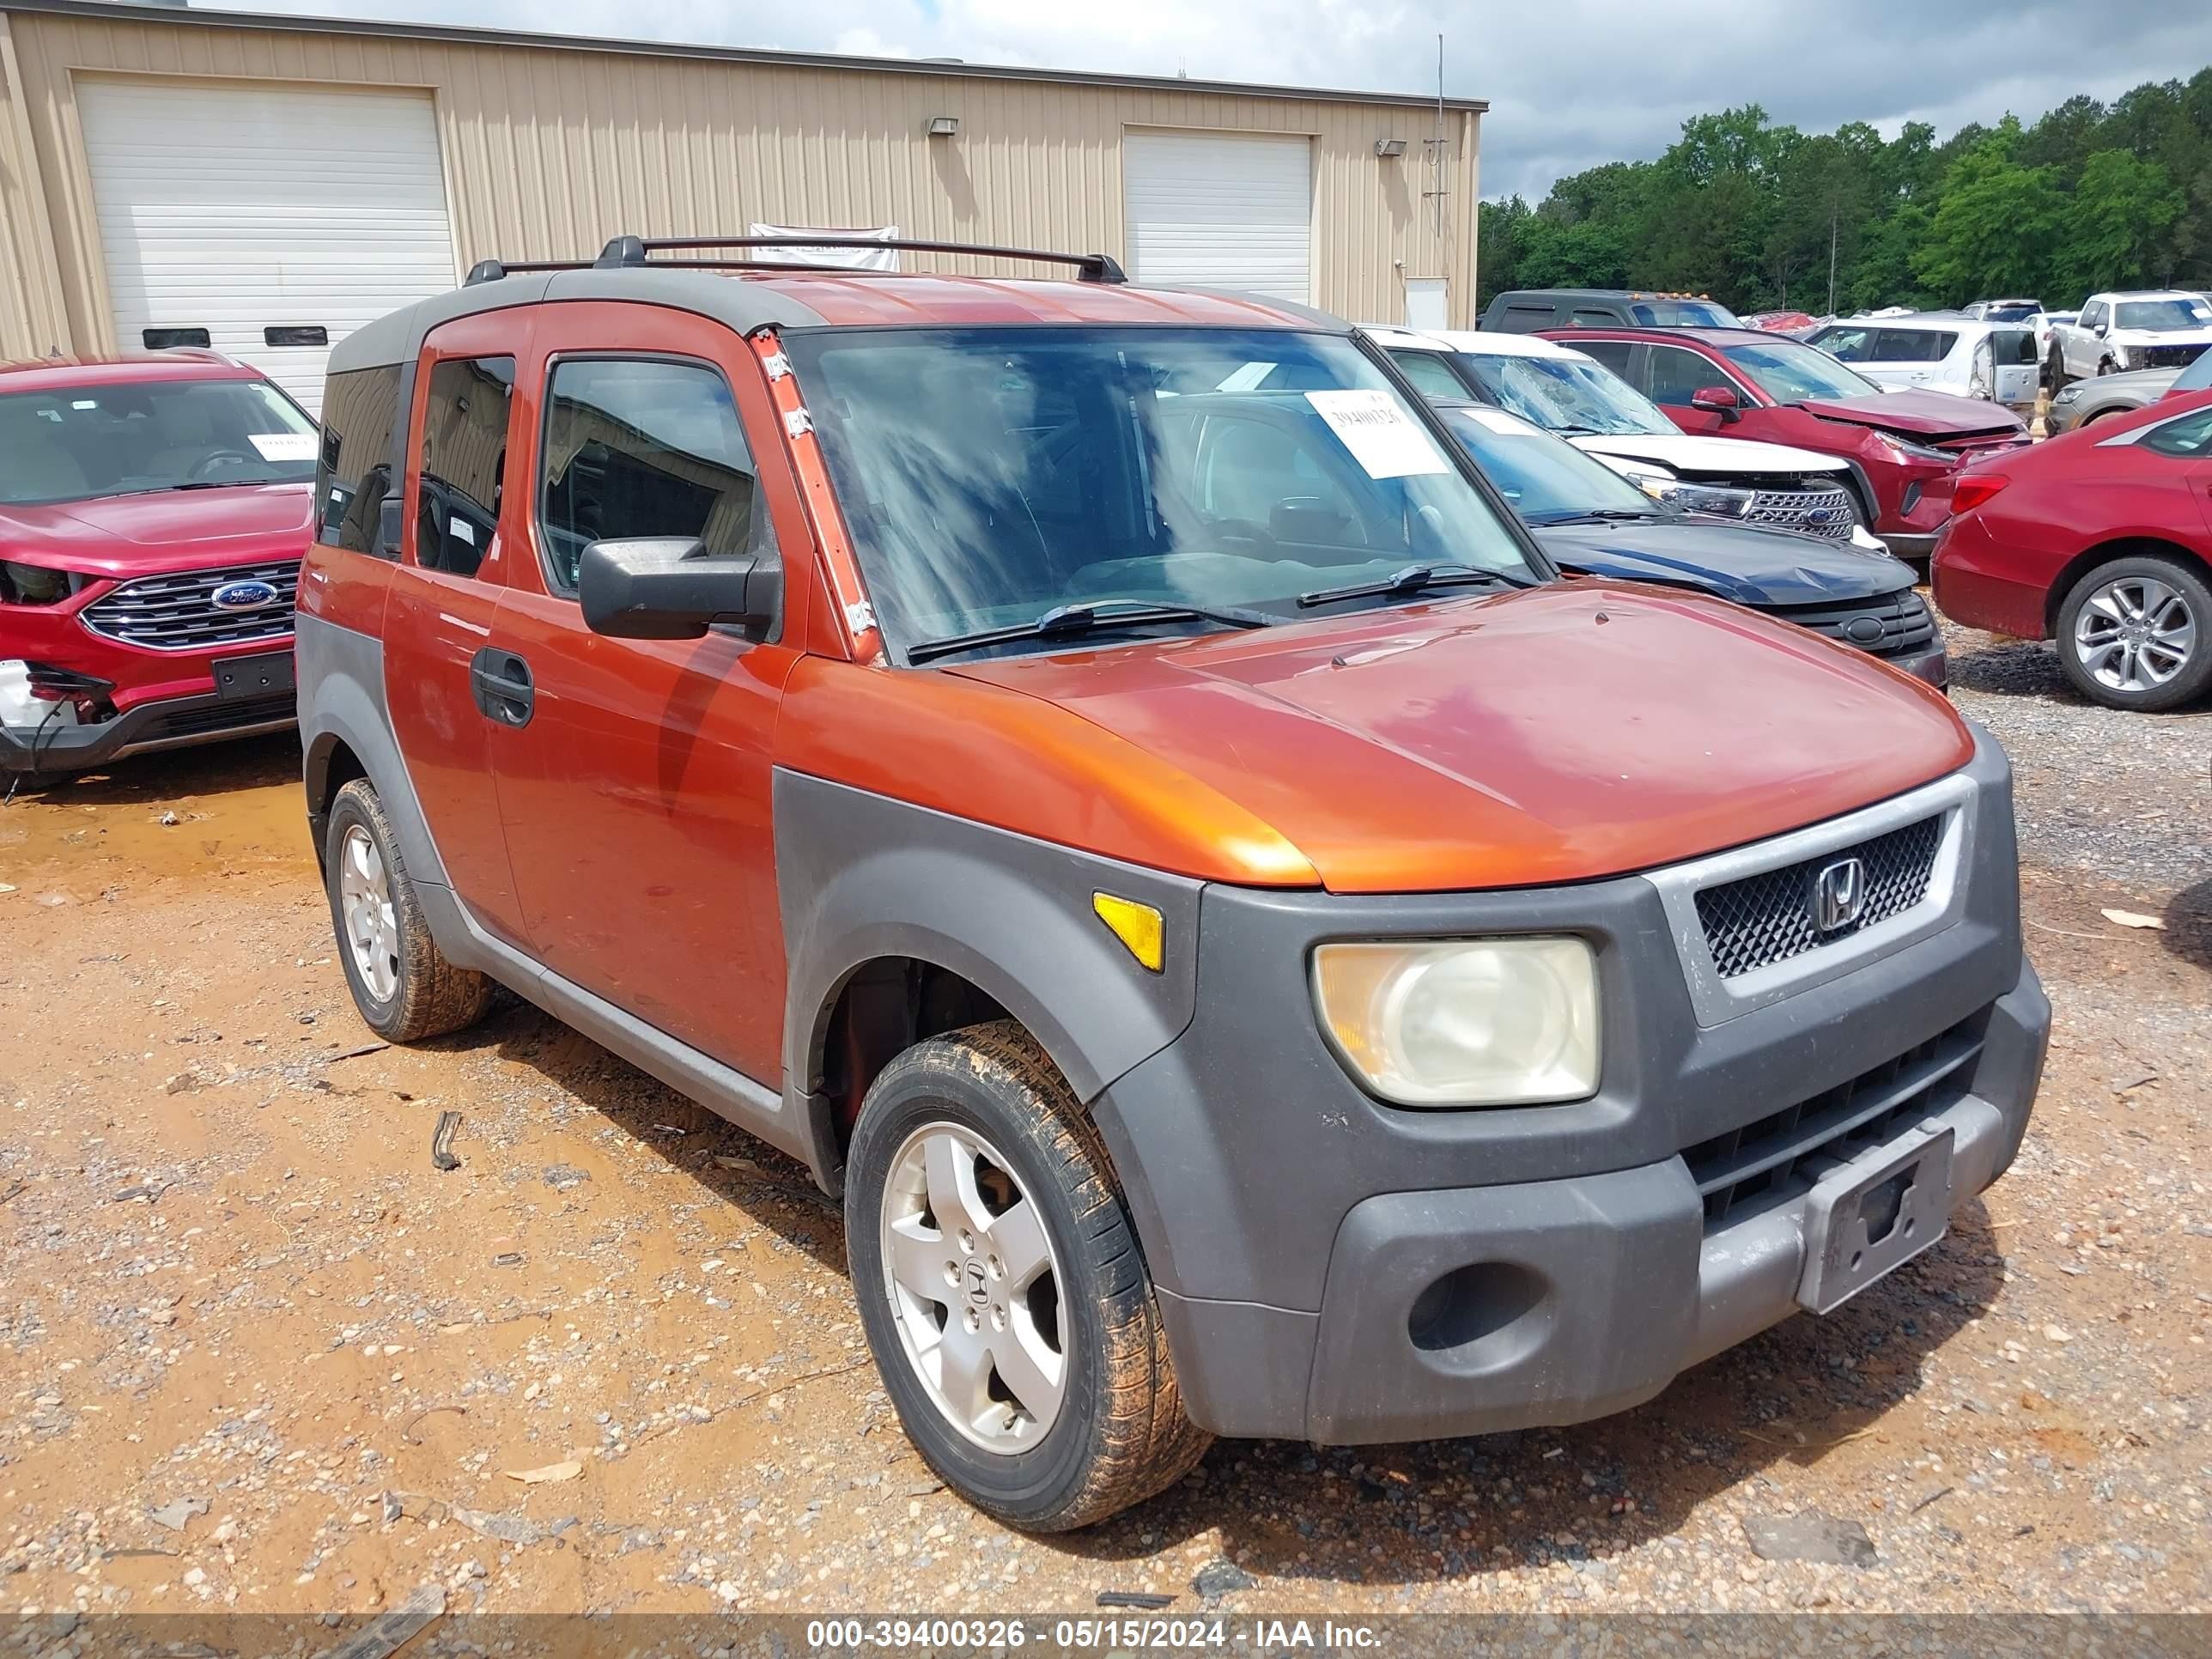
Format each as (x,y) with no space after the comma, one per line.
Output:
(1865,630)
(1821,515)
(244,596)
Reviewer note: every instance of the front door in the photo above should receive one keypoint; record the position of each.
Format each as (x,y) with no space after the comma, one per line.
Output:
(1674,375)
(455,538)
(636,798)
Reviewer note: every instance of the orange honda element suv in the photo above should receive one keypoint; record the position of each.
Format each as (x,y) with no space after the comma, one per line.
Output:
(1097,776)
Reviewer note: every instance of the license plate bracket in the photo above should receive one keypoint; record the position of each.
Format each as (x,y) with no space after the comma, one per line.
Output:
(265,675)
(1867,1218)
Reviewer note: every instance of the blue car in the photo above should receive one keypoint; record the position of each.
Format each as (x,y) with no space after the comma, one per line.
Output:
(1594,522)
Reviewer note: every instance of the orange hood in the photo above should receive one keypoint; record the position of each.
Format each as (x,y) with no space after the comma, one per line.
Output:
(1558,734)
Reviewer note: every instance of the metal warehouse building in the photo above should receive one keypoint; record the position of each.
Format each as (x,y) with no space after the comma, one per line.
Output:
(273,183)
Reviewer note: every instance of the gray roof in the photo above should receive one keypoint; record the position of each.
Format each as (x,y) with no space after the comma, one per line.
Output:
(157,11)
(397,337)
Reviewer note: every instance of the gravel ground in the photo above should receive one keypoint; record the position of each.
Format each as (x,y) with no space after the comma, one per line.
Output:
(257,1354)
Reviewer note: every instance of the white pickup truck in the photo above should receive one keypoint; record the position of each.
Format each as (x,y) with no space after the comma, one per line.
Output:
(2160,328)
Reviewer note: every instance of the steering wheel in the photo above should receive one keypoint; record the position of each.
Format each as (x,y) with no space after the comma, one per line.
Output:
(209,462)
(1263,540)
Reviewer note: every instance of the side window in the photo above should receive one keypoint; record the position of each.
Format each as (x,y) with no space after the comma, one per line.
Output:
(644,446)
(2092,315)
(1431,376)
(1613,354)
(1677,374)
(1527,320)
(1846,345)
(353,474)
(1595,317)
(2188,438)
(463,462)
(1913,345)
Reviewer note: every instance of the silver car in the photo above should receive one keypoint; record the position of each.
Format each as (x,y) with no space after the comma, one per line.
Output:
(2084,401)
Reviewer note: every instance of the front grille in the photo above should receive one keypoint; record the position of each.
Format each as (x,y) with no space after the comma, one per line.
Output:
(179,612)
(1761,920)
(210,717)
(1795,509)
(1789,1149)
(1891,625)
(2169,356)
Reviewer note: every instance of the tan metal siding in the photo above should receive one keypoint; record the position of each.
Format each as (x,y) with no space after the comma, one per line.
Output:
(32,319)
(548,153)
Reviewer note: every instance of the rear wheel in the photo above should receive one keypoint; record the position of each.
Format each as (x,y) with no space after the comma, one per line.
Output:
(402,986)
(2132,633)
(1002,1290)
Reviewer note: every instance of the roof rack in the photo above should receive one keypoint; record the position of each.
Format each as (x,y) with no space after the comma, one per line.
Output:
(632,250)
(491,271)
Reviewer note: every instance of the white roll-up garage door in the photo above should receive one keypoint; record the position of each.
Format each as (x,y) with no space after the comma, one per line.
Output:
(263,212)
(1221,209)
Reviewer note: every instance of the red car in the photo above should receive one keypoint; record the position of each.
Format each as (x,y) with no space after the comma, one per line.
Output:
(2100,538)
(153,512)
(1904,447)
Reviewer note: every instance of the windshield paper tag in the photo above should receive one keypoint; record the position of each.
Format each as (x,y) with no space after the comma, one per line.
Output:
(1382,439)
(283,446)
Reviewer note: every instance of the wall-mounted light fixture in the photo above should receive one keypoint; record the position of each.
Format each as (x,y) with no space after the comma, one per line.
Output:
(1389,147)
(948,126)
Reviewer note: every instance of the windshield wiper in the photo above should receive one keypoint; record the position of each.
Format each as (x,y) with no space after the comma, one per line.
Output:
(1411,580)
(1599,515)
(1067,621)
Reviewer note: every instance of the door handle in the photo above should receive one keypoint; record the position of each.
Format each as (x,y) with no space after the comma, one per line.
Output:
(500,681)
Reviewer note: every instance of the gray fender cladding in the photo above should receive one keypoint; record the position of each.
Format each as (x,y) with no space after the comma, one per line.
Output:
(860,876)
(341,675)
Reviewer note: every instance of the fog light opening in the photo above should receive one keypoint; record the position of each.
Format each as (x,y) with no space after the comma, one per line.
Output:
(1468,1305)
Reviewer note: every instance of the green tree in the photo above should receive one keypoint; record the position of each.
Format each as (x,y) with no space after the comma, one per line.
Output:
(2117,225)
(1997,228)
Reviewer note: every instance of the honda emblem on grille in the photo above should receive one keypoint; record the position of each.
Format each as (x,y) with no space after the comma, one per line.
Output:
(1838,895)
(244,596)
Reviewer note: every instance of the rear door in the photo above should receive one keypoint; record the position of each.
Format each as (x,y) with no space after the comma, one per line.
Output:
(458,533)
(636,799)
(2012,354)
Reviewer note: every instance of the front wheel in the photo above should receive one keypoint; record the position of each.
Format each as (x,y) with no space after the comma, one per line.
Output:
(2131,634)
(402,986)
(1002,1290)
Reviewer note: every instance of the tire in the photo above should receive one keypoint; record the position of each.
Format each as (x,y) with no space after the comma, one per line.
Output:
(402,986)
(2175,599)
(987,1099)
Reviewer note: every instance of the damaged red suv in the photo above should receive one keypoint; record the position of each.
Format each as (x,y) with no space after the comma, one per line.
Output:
(1904,447)
(152,515)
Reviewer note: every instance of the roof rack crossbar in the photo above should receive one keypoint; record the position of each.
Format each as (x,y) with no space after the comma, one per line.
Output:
(624,251)
(491,271)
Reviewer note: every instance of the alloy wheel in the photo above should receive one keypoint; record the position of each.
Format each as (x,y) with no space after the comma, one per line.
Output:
(371,926)
(974,1285)
(2134,634)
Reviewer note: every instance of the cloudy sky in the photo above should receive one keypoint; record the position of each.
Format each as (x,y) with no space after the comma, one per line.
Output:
(1571,82)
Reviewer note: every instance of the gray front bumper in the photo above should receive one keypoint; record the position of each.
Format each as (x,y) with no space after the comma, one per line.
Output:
(1292,1222)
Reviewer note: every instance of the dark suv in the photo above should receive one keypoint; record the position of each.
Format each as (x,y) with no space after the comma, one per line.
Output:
(1525,311)
(1099,777)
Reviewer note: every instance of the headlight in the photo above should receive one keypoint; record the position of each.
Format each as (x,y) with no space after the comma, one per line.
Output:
(1503,1022)
(31,584)
(1902,451)
(2068,394)
(1699,498)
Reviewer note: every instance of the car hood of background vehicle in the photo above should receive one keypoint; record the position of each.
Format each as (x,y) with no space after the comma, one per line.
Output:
(1738,561)
(2147,382)
(1695,457)
(164,530)
(1925,413)
(1572,731)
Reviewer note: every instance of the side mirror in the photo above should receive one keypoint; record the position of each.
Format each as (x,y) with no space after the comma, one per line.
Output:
(2101,330)
(666,587)
(1716,400)
(391,524)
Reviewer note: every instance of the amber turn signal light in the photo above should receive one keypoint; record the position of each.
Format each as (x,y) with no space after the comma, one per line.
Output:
(1138,927)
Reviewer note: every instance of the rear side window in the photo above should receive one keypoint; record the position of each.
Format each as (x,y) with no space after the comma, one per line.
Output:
(1613,354)
(463,462)
(1527,320)
(1594,317)
(1912,345)
(644,446)
(353,473)
(2189,437)
(2014,347)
